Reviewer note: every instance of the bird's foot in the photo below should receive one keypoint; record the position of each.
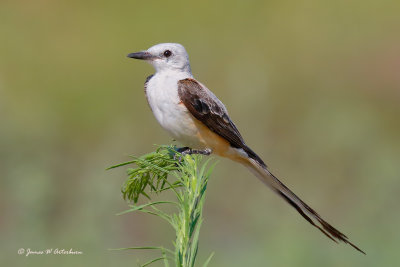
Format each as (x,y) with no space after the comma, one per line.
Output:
(206,151)
(189,151)
(182,151)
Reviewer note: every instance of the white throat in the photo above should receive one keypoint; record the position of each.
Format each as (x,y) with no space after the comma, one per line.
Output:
(162,66)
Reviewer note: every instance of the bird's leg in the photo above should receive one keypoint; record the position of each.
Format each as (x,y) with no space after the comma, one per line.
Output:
(189,151)
(206,151)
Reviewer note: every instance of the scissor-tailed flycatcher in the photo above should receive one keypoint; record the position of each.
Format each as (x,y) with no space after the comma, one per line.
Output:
(194,116)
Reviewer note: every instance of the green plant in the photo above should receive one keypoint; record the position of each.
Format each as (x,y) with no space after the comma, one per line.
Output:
(185,175)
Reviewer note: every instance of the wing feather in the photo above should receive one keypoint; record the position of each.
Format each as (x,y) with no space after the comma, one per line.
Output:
(208,109)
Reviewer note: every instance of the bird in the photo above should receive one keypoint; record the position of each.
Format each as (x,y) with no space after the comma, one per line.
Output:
(196,118)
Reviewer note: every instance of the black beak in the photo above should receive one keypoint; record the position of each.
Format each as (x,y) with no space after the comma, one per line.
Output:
(141,55)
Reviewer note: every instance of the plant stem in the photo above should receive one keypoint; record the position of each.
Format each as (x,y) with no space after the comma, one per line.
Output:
(190,215)
(189,187)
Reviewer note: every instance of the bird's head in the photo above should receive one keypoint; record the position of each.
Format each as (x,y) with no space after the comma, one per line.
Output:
(165,56)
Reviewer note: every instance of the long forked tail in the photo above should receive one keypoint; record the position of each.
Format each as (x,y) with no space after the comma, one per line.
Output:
(259,169)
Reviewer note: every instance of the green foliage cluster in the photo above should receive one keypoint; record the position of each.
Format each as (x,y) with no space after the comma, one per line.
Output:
(185,175)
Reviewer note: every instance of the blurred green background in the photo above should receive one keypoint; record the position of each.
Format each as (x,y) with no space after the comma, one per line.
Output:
(320,81)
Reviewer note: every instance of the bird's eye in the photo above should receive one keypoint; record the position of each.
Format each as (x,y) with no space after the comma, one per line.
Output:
(167,53)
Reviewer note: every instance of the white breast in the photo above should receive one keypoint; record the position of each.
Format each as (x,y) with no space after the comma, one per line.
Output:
(162,95)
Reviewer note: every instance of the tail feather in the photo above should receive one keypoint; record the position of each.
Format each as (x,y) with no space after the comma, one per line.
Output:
(260,170)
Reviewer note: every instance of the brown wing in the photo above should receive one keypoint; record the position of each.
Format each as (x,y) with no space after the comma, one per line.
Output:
(208,109)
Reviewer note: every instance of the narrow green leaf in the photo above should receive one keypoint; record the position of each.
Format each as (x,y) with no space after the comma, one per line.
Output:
(145,248)
(152,165)
(208,260)
(166,263)
(152,261)
(195,241)
(146,205)
(167,218)
(121,164)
